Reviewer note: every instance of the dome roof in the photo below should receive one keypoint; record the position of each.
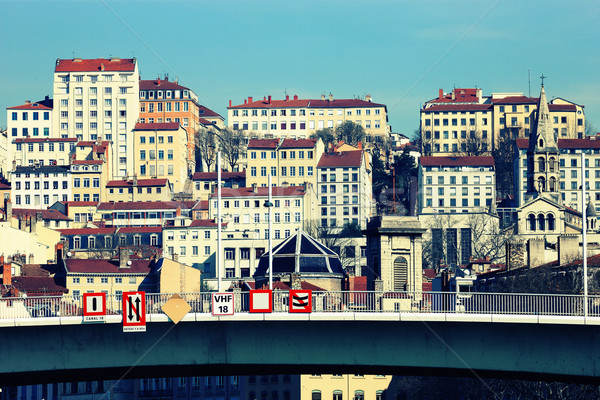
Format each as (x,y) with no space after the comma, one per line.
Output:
(590,210)
(302,254)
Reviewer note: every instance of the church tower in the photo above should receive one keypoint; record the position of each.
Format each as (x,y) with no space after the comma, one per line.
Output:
(542,156)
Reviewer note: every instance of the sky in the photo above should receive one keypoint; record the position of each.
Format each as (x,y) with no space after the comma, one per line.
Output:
(399,52)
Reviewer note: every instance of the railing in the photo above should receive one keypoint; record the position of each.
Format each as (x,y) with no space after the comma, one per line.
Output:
(328,302)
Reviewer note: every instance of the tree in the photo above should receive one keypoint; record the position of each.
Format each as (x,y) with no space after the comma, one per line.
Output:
(232,144)
(380,178)
(424,143)
(350,132)
(504,155)
(473,145)
(206,148)
(405,168)
(589,128)
(487,239)
(326,135)
(340,240)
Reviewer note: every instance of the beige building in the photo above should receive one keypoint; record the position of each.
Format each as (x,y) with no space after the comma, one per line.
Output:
(161,152)
(288,161)
(456,184)
(451,122)
(205,183)
(542,217)
(300,118)
(343,386)
(139,190)
(98,99)
(43,151)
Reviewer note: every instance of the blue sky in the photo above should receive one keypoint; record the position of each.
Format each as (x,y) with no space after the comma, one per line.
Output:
(400,52)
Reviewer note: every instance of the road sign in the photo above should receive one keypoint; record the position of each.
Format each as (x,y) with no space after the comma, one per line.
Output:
(222,304)
(134,312)
(300,301)
(94,307)
(261,301)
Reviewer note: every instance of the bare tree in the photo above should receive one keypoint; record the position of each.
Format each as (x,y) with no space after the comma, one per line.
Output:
(589,128)
(232,144)
(487,239)
(339,240)
(206,146)
(473,144)
(350,132)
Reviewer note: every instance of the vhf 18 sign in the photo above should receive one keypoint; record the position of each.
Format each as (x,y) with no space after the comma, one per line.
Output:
(134,312)
(222,304)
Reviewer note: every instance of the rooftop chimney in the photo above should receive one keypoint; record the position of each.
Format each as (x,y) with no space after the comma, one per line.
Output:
(229,103)
(295,97)
(323,96)
(6,273)
(368,98)
(287,97)
(244,101)
(101,66)
(254,188)
(249,99)
(124,257)
(7,209)
(269,99)
(441,94)
(330,97)
(27,101)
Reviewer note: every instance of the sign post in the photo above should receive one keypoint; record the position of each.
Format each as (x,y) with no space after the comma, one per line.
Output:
(222,304)
(134,312)
(94,307)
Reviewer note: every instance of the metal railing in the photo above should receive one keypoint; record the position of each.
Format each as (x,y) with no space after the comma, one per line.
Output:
(327,302)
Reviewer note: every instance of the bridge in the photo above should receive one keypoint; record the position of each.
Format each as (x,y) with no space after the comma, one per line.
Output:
(502,335)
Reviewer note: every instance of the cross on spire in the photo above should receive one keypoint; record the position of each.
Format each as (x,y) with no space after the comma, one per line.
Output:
(542,78)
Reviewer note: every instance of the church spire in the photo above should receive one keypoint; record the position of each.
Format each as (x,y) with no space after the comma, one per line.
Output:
(543,140)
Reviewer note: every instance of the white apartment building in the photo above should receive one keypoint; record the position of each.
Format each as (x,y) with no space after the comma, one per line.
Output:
(345,190)
(299,118)
(30,119)
(98,99)
(456,184)
(43,151)
(568,167)
(40,186)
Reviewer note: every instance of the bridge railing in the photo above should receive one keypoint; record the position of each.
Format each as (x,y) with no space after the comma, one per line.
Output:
(328,302)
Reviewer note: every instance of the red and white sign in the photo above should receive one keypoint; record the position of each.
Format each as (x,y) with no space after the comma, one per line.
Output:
(261,301)
(94,307)
(222,304)
(300,301)
(134,312)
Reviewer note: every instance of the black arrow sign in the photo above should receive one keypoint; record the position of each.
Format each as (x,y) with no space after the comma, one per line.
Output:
(134,311)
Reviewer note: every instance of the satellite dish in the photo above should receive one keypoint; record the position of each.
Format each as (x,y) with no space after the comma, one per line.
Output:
(129,262)
(69,254)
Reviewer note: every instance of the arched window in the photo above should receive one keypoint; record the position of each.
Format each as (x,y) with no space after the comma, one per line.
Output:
(541,142)
(359,395)
(400,274)
(551,222)
(541,184)
(379,395)
(316,395)
(552,184)
(337,395)
(541,164)
(531,219)
(551,164)
(541,222)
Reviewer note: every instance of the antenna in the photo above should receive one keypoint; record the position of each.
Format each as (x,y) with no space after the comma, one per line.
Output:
(529,82)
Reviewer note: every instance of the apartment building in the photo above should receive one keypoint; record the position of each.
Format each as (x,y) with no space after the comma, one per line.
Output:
(161,152)
(139,190)
(345,189)
(451,122)
(205,183)
(288,161)
(163,101)
(300,118)
(98,99)
(40,186)
(5,162)
(456,184)
(30,119)
(43,151)
(144,213)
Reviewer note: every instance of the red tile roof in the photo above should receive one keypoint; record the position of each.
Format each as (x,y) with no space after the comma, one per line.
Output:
(4,186)
(206,122)
(106,266)
(81,203)
(207,223)
(302,103)
(207,112)
(450,161)
(87,231)
(159,126)
(261,191)
(144,205)
(50,214)
(30,106)
(89,143)
(516,100)
(202,205)
(457,107)
(37,285)
(160,84)
(461,95)
(87,162)
(140,229)
(263,143)
(212,176)
(341,159)
(97,64)
(140,183)
(298,143)
(587,143)
(561,107)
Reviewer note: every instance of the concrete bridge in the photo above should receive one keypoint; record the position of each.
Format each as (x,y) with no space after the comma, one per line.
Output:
(63,348)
